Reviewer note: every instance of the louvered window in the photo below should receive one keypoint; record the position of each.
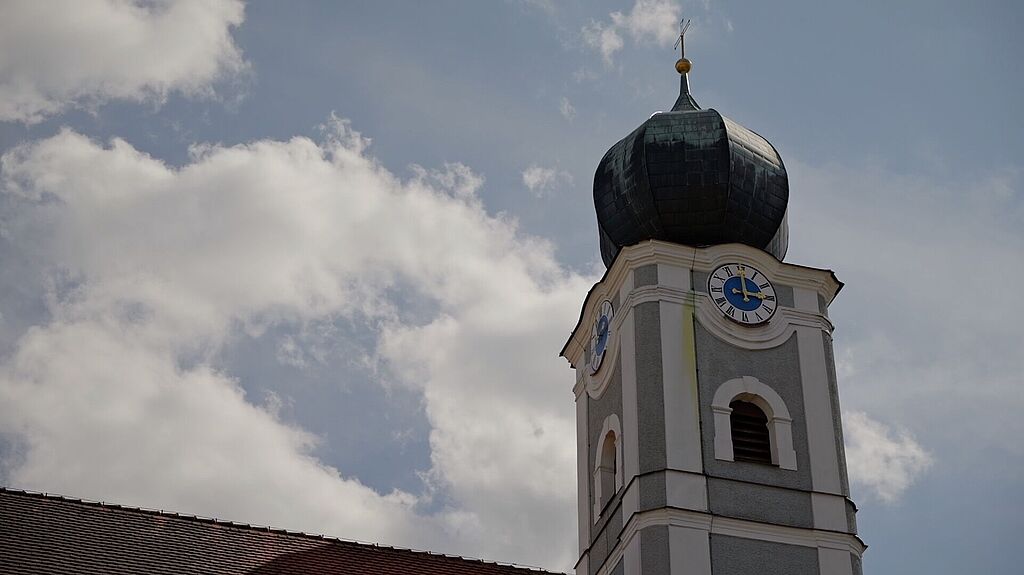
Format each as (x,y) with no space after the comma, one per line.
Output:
(750,438)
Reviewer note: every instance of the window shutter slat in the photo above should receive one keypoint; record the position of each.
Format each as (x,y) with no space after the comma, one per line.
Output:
(750,439)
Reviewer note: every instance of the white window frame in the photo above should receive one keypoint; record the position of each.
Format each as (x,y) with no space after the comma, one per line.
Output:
(780,423)
(601,469)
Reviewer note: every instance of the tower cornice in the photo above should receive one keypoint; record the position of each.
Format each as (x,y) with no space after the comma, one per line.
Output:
(822,282)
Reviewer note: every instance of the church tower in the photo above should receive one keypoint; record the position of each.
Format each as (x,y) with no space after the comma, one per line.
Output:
(708,424)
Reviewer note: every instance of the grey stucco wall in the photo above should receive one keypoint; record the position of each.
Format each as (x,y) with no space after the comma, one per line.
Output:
(605,537)
(652,491)
(858,568)
(779,368)
(760,503)
(737,556)
(650,391)
(654,551)
(699,281)
(645,275)
(784,294)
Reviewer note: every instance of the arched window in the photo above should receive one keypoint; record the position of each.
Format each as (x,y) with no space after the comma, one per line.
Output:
(750,438)
(607,465)
(745,410)
(606,468)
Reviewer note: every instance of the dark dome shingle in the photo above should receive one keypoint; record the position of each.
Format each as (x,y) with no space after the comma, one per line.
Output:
(694,177)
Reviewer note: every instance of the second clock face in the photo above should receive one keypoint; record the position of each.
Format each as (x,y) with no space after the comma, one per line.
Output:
(742,293)
(600,334)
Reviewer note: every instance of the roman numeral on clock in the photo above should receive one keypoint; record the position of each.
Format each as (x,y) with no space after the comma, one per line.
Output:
(720,300)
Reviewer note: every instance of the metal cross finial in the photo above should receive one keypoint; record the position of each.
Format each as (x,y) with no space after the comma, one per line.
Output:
(684,25)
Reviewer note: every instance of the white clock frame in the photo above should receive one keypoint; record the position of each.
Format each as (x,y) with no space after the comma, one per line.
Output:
(716,284)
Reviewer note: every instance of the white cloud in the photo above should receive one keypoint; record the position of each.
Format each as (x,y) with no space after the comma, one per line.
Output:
(64,54)
(151,266)
(653,21)
(922,340)
(541,180)
(566,108)
(884,461)
(603,38)
(919,335)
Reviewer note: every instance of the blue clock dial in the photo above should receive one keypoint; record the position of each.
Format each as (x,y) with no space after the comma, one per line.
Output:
(734,293)
(742,293)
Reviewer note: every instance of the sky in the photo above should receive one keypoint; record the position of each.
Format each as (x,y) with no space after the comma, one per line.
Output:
(310,264)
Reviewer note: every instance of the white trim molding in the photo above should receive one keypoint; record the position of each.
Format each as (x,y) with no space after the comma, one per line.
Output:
(746,529)
(582,475)
(748,388)
(618,278)
(765,336)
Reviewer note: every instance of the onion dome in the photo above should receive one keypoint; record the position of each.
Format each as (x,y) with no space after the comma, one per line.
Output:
(693,177)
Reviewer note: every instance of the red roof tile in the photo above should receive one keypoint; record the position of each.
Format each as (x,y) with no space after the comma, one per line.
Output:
(49,534)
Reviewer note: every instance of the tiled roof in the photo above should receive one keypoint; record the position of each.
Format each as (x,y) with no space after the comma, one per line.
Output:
(49,534)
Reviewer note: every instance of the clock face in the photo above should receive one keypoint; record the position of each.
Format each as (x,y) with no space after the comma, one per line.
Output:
(743,293)
(599,335)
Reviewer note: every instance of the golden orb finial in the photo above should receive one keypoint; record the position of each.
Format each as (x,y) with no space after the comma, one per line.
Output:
(682,64)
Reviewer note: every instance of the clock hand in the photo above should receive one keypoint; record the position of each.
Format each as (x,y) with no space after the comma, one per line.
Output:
(743,284)
(758,295)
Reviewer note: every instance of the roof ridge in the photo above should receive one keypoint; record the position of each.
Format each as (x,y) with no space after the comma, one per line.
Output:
(262,528)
